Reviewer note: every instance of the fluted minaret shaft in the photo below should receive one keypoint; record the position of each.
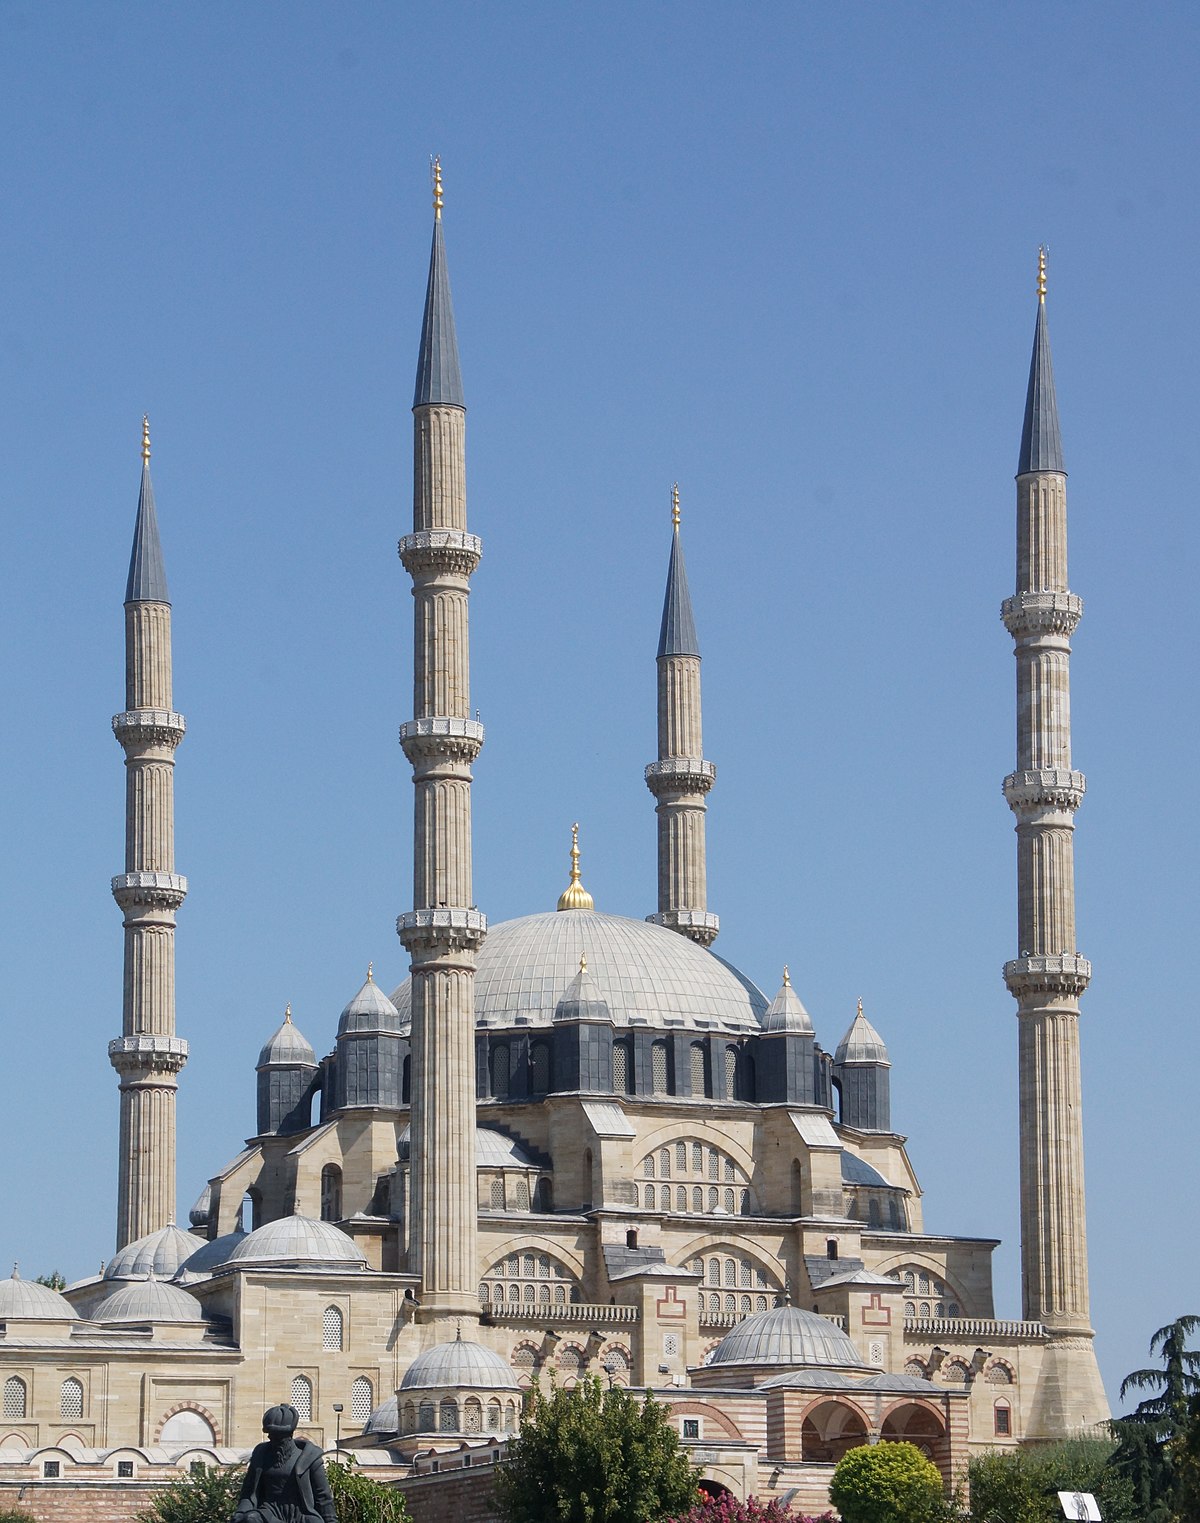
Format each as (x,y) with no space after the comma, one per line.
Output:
(1049,975)
(680,779)
(148,1055)
(444,930)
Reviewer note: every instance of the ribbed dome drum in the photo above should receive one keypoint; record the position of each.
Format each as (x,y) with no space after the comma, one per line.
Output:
(460,1365)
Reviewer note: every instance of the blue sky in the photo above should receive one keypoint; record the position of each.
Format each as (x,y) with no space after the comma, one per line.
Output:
(783,253)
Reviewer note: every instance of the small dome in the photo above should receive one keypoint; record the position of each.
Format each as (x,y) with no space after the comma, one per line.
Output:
(289,1046)
(457,1365)
(148,1301)
(26,1298)
(862,1043)
(856,1171)
(200,1212)
(207,1258)
(385,1418)
(493,1150)
(159,1253)
(369,1011)
(788,1336)
(297,1242)
(786,1013)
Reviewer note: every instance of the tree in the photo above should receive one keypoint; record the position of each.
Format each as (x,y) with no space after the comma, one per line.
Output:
(887,1483)
(55,1280)
(1022,1485)
(1154,1440)
(593,1456)
(209,1494)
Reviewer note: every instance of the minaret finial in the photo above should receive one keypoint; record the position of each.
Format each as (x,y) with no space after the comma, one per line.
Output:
(145,439)
(287,1014)
(860,1007)
(437,187)
(575,896)
(675,505)
(787,977)
(1041,284)
(370,972)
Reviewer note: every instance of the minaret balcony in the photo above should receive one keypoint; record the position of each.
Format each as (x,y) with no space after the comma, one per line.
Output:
(680,774)
(441,735)
(1047,974)
(450,550)
(148,727)
(1041,613)
(454,929)
(157,889)
(698,924)
(1044,788)
(147,1053)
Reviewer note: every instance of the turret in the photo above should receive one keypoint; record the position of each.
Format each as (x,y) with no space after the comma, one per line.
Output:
(583,1037)
(862,1075)
(148,1056)
(1048,976)
(371,1048)
(444,929)
(787,1065)
(680,779)
(287,1072)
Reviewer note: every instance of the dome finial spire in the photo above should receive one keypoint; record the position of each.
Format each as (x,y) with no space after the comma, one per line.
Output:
(436,170)
(787,977)
(287,1014)
(675,506)
(1041,280)
(145,439)
(575,896)
(370,972)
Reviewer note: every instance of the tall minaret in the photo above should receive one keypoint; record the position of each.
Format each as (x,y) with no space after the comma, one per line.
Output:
(148,1055)
(1049,975)
(680,778)
(444,930)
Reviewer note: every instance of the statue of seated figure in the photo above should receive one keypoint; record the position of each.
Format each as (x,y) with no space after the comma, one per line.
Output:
(286,1481)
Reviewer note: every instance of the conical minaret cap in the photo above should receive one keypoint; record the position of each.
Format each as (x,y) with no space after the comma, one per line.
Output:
(786,1013)
(1041,442)
(677,636)
(288,1046)
(439,379)
(862,1043)
(147,581)
(369,1011)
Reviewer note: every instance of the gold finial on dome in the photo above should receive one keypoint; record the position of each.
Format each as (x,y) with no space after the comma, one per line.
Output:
(370,972)
(1042,251)
(675,505)
(787,977)
(287,1015)
(583,962)
(575,896)
(437,188)
(145,439)
(860,1014)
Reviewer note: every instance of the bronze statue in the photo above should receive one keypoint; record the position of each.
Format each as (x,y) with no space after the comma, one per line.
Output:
(286,1481)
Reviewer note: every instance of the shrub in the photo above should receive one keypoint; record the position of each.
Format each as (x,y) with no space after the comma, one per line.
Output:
(887,1483)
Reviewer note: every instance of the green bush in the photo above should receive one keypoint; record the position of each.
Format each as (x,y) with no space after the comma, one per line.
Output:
(359,1499)
(210,1495)
(1022,1485)
(887,1483)
(16,1515)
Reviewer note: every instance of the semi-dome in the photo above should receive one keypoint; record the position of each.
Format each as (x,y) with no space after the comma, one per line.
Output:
(159,1253)
(296,1242)
(788,1336)
(288,1045)
(370,1011)
(385,1418)
(147,1301)
(208,1257)
(493,1150)
(644,973)
(857,1171)
(459,1364)
(26,1298)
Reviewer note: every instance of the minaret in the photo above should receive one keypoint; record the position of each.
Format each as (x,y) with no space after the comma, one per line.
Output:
(443,931)
(148,1055)
(1049,975)
(680,778)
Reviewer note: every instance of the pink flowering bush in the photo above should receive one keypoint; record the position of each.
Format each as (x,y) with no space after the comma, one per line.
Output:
(727,1509)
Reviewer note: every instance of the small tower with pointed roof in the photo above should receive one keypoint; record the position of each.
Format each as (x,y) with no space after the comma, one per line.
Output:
(680,779)
(148,1056)
(1049,975)
(583,1037)
(287,1081)
(371,1048)
(444,930)
(787,1063)
(862,1073)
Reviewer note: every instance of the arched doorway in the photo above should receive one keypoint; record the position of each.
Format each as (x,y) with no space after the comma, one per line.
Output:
(913,1423)
(713,1490)
(829,1429)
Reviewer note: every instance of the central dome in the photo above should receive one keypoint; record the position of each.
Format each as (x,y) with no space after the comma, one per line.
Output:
(645,974)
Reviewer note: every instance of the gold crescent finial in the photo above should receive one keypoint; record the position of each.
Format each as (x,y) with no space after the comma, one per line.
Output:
(675,505)
(145,439)
(583,962)
(370,972)
(787,977)
(860,1007)
(437,188)
(1041,287)
(287,1015)
(575,896)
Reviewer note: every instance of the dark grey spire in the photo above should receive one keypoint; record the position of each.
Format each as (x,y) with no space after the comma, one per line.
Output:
(439,380)
(147,576)
(678,634)
(1041,444)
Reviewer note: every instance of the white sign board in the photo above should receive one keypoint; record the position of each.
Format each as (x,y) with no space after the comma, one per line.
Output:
(1079,1505)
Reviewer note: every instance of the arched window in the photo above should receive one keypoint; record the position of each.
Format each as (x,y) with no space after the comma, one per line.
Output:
(622,1069)
(873,1218)
(1003,1419)
(539,1068)
(448,1415)
(997,1375)
(406,1082)
(249,1216)
(410,1418)
(697,1198)
(496,1194)
(545,1194)
(70,1399)
(16,1397)
(664,1163)
(362,1399)
(331,1328)
(681,1158)
(701,1073)
(473,1415)
(522,1193)
(649,1197)
(187,1427)
(331,1193)
(500,1066)
(493,1416)
(660,1075)
(302,1397)
(426,1414)
(745,1082)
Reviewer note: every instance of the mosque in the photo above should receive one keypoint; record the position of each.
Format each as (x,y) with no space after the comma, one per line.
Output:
(573,1142)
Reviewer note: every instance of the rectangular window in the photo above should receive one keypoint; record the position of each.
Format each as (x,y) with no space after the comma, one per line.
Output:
(691,1427)
(51,1469)
(1003,1422)
(124,1470)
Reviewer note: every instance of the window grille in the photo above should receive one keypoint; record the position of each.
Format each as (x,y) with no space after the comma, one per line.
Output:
(621,1069)
(697,1198)
(522,1193)
(664,1163)
(70,1399)
(302,1397)
(449,1416)
(681,1157)
(496,1195)
(658,1068)
(539,1068)
(331,1328)
(698,1065)
(15,1397)
(697,1158)
(500,1073)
